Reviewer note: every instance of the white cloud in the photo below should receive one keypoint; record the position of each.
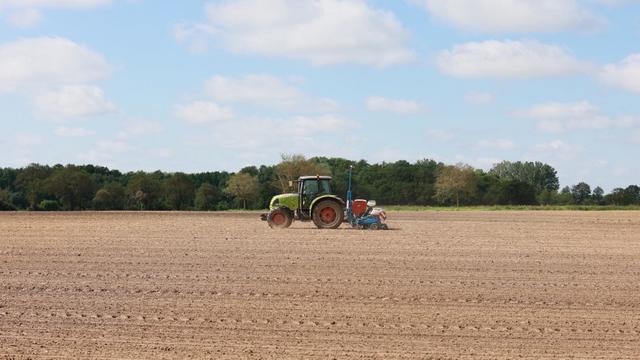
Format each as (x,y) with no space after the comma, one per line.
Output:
(322,32)
(70,4)
(137,128)
(162,153)
(616,2)
(479,98)
(508,59)
(305,126)
(266,91)
(115,146)
(557,149)
(621,171)
(73,132)
(21,149)
(56,74)
(560,110)
(557,117)
(264,135)
(24,18)
(484,162)
(26,13)
(28,140)
(499,144)
(301,132)
(196,36)
(128,144)
(250,135)
(74,101)
(402,107)
(104,152)
(251,89)
(504,16)
(48,62)
(143,128)
(203,112)
(440,135)
(625,74)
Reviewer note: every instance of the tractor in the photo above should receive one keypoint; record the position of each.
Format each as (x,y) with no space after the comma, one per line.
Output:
(315,202)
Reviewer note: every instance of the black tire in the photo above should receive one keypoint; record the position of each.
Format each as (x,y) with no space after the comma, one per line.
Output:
(328,215)
(374,226)
(279,218)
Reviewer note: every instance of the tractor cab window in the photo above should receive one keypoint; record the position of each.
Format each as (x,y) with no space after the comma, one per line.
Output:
(317,187)
(310,188)
(313,188)
(324,187)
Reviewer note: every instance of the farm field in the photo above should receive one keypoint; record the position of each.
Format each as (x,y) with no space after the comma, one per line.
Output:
(459,285)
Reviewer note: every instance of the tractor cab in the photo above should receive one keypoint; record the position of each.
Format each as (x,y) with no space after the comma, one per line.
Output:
(310,187)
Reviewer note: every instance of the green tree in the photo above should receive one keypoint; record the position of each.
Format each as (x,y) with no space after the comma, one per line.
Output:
(623,197)
(5,195)
(293,166)
(244,187)
(616,197)
(144,190)
(539,175)
(179,192)
(251,170)
(5,201)
(633,193)
(456,184)
(565,197)
(7,178)
(547,197)
(31,182)
(111,197)
(425,175)
(581,193)
(514,192)
(598,195)
(267,190)
(207,197)
(49,205)
(73,188)
(489,190)
(339,168)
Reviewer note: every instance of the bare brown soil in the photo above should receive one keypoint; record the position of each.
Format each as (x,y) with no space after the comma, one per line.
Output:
(459,285)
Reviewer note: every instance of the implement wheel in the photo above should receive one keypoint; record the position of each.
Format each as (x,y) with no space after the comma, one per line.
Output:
(279,218)
(328,215)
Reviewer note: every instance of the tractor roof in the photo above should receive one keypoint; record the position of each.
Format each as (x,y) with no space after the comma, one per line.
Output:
(301,178)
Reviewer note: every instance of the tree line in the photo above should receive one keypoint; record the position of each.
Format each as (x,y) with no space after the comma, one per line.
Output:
(423,183)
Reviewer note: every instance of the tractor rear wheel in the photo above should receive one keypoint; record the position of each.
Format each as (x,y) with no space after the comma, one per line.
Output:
(328,215)
(279,218)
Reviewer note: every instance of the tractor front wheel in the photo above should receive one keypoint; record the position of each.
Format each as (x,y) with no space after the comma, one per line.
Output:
(279,218)
(328,215)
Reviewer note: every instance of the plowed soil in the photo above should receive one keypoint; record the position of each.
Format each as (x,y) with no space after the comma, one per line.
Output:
(459,285)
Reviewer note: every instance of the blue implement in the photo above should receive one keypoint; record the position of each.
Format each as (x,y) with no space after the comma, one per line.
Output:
(372,218)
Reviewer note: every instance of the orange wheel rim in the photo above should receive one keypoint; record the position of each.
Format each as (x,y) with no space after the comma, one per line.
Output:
(327,215)
(278,219)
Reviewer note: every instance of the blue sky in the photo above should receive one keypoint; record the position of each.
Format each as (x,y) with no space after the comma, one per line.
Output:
(217,85)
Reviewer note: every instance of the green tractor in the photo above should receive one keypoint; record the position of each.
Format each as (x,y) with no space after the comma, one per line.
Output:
(313,202)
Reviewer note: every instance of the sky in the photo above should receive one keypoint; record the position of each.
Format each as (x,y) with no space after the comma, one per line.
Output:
(218,85)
